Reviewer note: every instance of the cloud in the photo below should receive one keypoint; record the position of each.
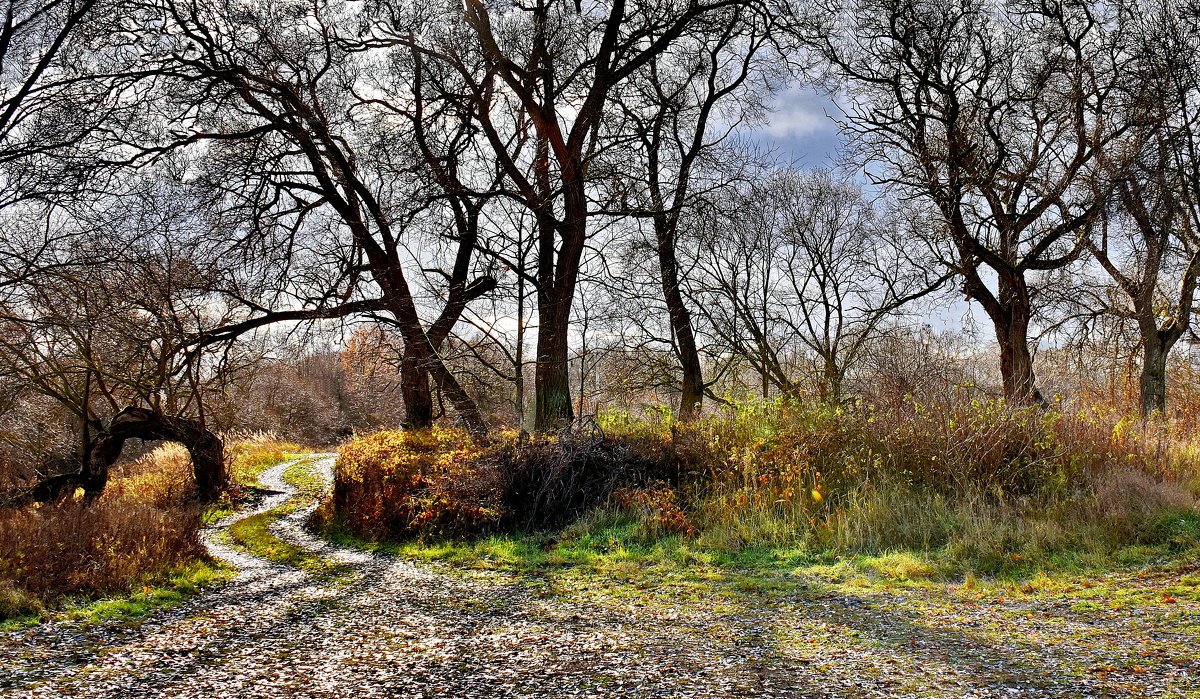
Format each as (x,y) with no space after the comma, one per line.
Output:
(800,113)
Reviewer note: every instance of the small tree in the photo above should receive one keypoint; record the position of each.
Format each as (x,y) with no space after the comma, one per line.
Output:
(109,342)
(803,274)
(1149,243)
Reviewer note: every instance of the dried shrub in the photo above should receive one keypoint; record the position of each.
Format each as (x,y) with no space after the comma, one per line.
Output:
(397,484)
(144,522)
(550,481)
(986,480)
(656,507)
(248,454)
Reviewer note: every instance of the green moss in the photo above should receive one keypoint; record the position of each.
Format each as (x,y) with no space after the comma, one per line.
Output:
(249,466)
(304,478)
(217,512)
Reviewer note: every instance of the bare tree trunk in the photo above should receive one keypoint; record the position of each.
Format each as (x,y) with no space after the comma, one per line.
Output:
(519,359)
(1016,361)
(1155,350)
(1010,312)
(831,382)
(552,378)
(692,380)
(557,275)
(416,393)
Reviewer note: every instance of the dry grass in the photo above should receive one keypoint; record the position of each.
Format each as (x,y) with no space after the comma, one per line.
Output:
(144,522)
(981,482)
(248,454)
(976,484)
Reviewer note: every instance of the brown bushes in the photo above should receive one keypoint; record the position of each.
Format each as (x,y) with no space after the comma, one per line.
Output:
(549,482)
(395,484)
(144,522)
(988,482)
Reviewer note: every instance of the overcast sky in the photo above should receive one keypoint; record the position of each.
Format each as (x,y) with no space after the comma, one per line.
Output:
(801,130)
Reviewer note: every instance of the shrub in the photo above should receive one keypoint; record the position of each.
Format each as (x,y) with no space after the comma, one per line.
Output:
(549,482)
(405,484)
(396,484)
(986,482)
(656,507)
(144,522)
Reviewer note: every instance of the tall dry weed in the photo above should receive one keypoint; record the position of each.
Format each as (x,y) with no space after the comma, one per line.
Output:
(143,522)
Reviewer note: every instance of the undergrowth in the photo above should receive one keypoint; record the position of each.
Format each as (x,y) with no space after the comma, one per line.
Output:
(134,548)
(160,590)
(249,454)
(145,522)
(914,492)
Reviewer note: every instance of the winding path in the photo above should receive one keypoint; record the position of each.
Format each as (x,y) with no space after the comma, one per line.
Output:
(394,628)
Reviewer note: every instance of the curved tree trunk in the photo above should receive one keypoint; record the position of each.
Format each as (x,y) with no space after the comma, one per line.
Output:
(206,449)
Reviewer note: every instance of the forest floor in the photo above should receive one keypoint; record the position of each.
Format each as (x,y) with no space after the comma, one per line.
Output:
(324,621)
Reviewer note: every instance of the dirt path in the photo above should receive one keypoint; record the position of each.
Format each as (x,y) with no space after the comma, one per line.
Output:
(393,628)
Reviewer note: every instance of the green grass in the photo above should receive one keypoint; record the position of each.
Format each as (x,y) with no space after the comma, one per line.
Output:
(254,536)
(252,459)
(217,511)
(155,592)
(248,473)
(609,545)
(301,476)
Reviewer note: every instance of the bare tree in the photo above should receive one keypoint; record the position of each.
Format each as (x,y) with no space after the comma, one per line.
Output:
(106,342)
(802,274)
(284,118)
(1149,243)
(541,78)
(683,109)
(993,113)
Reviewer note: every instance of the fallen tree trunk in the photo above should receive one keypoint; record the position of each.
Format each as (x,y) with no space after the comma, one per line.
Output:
(206,449)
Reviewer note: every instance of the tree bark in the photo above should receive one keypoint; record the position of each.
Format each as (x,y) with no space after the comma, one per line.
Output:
(416,393)
(1154,374)
(1010,311)
(1016,361)
(414,376)
(831,381)
(552,375)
